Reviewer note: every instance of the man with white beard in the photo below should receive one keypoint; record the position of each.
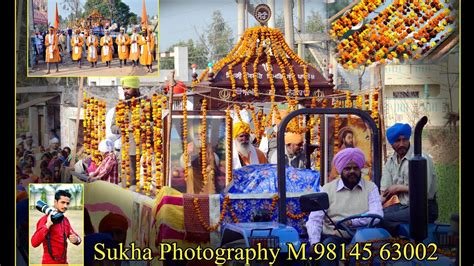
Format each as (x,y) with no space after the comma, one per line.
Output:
(243,152)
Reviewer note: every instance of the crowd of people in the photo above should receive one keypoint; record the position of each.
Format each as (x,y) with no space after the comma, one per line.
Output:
(81,45)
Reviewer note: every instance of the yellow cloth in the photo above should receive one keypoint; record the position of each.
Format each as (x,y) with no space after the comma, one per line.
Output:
(130,82)
(293,138)
(239,128)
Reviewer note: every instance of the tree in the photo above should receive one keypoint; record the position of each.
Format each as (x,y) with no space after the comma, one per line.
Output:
(280,22)
(113,9)
(74,6)
(196,55)
(335,7)
(219,37)
(314,23)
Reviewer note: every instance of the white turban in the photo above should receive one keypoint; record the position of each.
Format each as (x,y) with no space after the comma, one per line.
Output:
(53,140)
(106,145)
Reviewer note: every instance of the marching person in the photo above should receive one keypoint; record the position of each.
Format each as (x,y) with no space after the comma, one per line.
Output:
(107,49)
(147,43)
(91,42)
(134,49)
(122,41)
(52,50)
(76,43)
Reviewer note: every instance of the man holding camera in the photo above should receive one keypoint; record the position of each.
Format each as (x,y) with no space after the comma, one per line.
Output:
(53,233)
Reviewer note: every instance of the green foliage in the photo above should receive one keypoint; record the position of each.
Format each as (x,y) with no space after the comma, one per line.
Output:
(219,37)
(314,23)
(448,191)
(119,12)
(337,6)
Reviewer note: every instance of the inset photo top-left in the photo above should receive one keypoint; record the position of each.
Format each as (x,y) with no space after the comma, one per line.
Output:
(81,38)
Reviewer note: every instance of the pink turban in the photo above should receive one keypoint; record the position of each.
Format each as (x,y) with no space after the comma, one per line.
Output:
(347,155)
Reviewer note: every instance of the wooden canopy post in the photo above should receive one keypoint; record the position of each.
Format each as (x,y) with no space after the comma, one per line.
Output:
(78,118)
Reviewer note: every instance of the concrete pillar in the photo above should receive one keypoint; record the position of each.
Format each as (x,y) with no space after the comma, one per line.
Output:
(240,17)
(271,22)
(33,123)
(181,63)
(288,17)
(301,20)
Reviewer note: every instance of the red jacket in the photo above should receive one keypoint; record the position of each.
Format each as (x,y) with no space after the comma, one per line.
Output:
(58,244)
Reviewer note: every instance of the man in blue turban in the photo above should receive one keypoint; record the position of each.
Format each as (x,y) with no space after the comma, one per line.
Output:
(394,183)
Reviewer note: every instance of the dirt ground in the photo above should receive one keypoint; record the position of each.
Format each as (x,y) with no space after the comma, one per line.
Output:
(75,254)
(442,145)
(70,69)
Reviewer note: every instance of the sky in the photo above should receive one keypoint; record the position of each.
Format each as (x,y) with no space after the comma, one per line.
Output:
(180,19)
(135,7)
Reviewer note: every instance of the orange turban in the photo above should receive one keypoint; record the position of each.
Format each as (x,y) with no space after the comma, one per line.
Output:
(239,128)
(293,138)
(113,221)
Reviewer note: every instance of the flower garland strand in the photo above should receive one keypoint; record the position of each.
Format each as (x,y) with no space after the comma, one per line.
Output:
(185,136)
(375,107)
(203,145)
(228,150)
(136,136)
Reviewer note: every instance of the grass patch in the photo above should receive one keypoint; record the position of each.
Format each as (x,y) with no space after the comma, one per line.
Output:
(448,191)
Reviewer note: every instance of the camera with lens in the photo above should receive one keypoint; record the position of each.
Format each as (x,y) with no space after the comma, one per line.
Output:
(56,216)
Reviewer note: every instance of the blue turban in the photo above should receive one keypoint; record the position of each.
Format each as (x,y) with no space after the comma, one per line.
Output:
(398,130)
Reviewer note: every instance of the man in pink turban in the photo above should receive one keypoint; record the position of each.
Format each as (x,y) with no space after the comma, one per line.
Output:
(348,195)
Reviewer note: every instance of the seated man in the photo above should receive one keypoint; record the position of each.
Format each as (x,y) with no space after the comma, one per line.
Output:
(294,153)
(395,180)
(348,195)
(243,152)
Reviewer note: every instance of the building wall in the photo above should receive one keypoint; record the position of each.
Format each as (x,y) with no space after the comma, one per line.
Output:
(431,81)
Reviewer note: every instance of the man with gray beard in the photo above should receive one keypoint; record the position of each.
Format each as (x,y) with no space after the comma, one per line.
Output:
(244,153)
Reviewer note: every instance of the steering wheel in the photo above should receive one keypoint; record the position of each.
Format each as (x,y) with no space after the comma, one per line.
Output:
(350,230)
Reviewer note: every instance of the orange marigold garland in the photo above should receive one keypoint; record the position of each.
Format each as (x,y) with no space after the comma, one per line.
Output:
(366,101)
(203,144)
(336,129)
(185,136)
(375,107)
(228,150)
(136,137)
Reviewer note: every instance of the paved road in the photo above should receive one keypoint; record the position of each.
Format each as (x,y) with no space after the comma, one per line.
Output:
(70,69)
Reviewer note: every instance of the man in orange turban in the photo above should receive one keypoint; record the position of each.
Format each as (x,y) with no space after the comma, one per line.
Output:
(294,155)
(243,152)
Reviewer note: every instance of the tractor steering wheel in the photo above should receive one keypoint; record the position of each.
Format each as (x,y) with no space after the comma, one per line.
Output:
(351,230)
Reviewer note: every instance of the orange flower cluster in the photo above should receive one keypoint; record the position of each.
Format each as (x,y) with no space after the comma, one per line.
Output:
(136,136)
(94,126)
(228,141)
(203,144)
(122,119)
(351,19)
(157,104)
(359,102)
(375,107)
(211,228)
(237,112)
(348,104)
(262,43)
(366,102)
(185,135)
(318,156)
(256,123)
(382,39)
(337,124)
(296,216)
(147,150)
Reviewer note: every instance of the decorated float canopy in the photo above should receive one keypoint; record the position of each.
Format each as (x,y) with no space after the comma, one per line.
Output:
(262,68)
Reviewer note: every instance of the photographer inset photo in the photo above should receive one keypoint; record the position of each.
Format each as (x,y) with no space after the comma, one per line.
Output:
(56,224)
